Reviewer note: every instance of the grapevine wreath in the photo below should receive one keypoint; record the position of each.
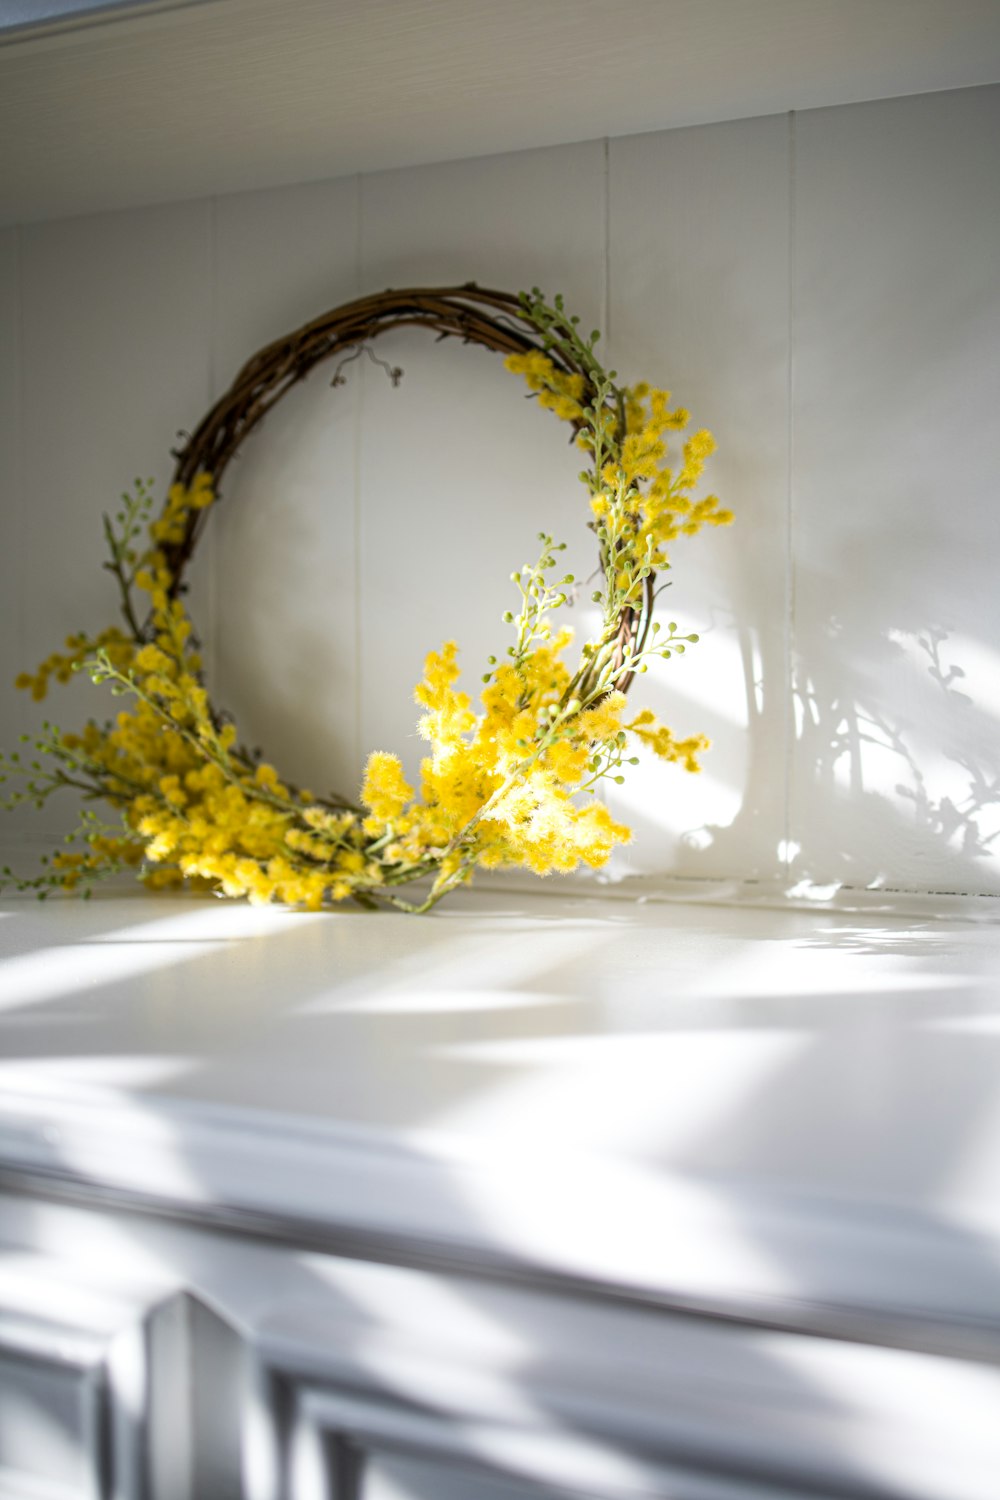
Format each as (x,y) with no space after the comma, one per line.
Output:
(508,784)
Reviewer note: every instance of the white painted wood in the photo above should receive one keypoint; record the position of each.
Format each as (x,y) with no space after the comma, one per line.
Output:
(895,524)
(698,250)
(391,1477)
(283,541)
(545,1081)
(460,1379)
(804,1415)
(115,319)
(76,1380)
(48,1417)
(129,321)
(456,466)
(193,1402)
(249,94)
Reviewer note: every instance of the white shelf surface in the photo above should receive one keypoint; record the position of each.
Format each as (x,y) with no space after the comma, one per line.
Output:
(783,1115)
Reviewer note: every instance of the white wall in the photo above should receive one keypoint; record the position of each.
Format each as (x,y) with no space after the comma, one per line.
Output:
(820,289)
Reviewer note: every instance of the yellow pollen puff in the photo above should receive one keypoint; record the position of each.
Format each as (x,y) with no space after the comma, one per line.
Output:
(385,791)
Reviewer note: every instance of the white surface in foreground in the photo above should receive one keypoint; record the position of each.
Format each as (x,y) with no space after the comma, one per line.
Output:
(746,1107)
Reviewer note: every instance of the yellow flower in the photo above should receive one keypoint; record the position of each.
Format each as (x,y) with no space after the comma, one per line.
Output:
(385,791)
(647,728)
(604,720)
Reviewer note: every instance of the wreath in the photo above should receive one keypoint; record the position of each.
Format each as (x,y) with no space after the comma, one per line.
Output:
(510,783)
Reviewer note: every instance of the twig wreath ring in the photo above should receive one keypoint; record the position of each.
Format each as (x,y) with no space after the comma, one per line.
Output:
(509,783)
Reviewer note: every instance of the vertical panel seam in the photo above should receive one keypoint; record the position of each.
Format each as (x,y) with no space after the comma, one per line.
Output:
(19,465)
(213,283)
(211,375)
(789,622)
(358,427)
(606,283)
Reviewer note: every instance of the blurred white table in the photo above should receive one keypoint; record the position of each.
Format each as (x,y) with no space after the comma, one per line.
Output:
(539,1194)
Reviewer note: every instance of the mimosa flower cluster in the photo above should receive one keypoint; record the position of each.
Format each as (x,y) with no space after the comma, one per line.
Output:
(509,782)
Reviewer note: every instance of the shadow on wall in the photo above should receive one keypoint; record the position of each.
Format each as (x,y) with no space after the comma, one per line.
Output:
(895,683)
(900,751)
(895,777)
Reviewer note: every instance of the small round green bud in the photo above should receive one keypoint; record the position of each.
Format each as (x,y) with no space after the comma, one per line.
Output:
(619,779)
(596,597)
(508,617)
(487,676)
(492,660)
(692,637)
(633,760)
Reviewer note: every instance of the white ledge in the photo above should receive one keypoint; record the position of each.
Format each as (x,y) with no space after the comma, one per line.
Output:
(773,1115)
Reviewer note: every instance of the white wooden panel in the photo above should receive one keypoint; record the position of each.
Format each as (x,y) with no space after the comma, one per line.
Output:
(283,541)
(74,1386)
(393,1477)
(897,529)
(699,303)
(11,572)
(49,1415)
(459,472)
(115,363)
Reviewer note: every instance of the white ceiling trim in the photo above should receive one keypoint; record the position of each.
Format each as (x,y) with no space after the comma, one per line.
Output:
(227,95)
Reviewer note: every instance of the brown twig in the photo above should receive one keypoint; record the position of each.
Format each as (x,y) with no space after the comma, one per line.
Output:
(476,315)
(495,320)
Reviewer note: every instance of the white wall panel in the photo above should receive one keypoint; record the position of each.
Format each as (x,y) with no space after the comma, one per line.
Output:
(896,523)
(458,471)
(849,256)
(283,541)
(699,229)
(115,320)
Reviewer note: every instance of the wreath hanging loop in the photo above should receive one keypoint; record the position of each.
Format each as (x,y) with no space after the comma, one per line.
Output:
(507,785)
